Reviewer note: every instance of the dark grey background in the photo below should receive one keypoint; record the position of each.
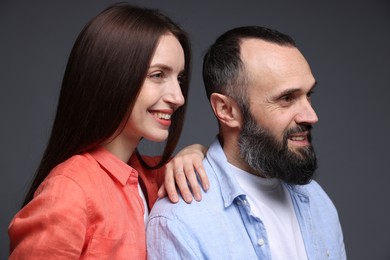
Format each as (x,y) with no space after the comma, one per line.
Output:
(346,43)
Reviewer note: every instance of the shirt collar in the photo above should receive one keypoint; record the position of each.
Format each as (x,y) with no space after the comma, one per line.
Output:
(300,191)
(229,186)
(113,165)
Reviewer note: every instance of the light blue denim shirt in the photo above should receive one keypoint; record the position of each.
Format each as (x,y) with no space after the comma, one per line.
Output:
(222,225)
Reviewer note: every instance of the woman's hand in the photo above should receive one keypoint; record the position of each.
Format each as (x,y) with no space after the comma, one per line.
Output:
(182,171)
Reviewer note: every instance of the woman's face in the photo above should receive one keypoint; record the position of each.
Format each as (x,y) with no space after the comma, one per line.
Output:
(160,94)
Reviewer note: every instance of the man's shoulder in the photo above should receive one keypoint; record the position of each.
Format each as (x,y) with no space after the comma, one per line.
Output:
(211,201)
(165,208)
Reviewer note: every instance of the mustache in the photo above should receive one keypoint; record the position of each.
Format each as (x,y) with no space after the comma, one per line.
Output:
(299,129)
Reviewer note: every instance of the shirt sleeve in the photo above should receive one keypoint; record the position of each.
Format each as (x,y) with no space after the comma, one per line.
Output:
(167,239)
(52,224)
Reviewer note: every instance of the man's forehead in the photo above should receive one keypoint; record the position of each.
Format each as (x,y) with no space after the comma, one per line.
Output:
(274,68)
(251,46)
(255,50)
(259,55)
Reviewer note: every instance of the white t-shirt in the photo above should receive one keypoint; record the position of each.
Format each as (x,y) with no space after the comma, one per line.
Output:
(141,193)
(271,202)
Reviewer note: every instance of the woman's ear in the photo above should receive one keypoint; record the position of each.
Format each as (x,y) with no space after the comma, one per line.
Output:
(226,110)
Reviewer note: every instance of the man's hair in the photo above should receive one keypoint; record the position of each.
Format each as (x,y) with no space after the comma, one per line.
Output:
(223,69)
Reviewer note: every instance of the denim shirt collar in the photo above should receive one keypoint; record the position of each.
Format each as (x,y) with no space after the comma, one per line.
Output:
(229,186)
(298,191)
(228,183)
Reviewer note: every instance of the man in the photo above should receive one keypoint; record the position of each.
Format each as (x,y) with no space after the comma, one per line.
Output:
(262,202)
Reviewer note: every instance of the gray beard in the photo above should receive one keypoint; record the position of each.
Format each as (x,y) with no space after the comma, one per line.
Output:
(270,158)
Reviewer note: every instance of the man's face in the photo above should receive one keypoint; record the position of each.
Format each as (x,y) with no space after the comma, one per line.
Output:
(279,112)
(270,158)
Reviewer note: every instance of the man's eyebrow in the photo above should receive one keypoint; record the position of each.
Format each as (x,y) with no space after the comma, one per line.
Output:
(290,91)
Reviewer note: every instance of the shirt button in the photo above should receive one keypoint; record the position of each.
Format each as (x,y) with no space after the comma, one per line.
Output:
(260,242)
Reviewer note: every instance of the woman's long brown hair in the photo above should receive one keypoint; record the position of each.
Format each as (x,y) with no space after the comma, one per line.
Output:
(105,72)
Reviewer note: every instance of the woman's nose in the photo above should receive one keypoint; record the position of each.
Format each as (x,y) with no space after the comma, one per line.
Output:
(175,95)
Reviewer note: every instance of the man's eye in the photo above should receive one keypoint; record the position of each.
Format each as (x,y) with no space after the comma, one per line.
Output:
(309,95)
(287,98)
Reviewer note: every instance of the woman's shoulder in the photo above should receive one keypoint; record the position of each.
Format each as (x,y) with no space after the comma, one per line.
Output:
(79,168)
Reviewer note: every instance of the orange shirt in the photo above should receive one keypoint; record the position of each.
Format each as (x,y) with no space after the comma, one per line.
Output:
(88,207)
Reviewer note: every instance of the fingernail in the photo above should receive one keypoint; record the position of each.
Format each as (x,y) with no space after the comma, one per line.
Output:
(188,198)
(198,197)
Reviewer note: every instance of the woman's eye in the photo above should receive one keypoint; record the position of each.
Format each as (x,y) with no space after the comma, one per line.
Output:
(181,79)
(157,75)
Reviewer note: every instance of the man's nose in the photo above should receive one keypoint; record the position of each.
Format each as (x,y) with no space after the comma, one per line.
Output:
(306,114)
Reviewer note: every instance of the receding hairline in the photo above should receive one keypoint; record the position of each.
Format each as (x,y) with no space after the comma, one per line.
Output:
(250,47)
(262,43)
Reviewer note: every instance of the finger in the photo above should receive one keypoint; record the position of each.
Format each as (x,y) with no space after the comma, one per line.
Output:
(203,176)
(161,193)
(182,184)
(193,182)
(169,186)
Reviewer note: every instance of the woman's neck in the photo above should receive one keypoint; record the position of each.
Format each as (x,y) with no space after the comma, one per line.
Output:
(123,149)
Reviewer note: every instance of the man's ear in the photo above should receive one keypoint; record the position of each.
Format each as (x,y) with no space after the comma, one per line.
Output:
(226,110)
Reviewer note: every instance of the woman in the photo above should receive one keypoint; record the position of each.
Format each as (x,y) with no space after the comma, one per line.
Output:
(126,79)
